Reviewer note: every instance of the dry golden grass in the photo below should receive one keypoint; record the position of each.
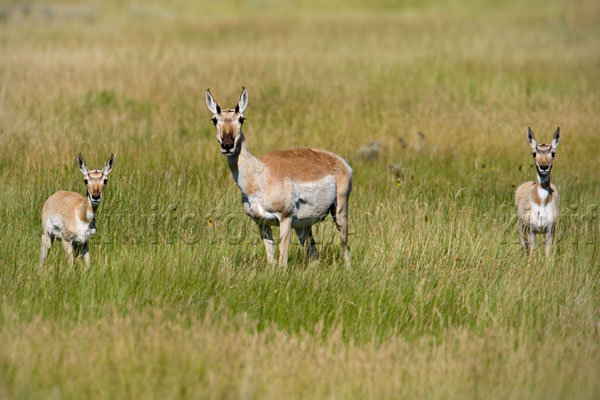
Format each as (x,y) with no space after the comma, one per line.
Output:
(153,356)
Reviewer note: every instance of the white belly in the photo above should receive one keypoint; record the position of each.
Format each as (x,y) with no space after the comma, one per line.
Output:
(542,218)
(83,230)
(311,202)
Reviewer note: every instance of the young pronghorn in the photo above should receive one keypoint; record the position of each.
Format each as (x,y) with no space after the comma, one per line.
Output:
(537,202)
(292,188)
(70,217)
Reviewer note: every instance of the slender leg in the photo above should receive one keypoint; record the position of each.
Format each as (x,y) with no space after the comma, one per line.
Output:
(46,244)
(76,251)
(524,242)
(285,228)
(531,240)
(341,222)
(267,238)
(549,241)
(85,252)
(307,241)
(68,247)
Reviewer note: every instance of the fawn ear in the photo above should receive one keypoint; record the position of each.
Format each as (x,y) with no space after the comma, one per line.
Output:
(243,103)
(211,103)
(531,139)
(556,139)
(109,165)
(82,166)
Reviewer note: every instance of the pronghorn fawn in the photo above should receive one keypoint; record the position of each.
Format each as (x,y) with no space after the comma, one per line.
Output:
(537,202)
(70,217)
(292,188)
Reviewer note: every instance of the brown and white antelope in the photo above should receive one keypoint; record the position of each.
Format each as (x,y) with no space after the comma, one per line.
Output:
(70,217)
(537,202)
(291,188)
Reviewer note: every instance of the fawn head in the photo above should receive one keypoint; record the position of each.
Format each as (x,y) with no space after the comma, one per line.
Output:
(96,179)
(543,154)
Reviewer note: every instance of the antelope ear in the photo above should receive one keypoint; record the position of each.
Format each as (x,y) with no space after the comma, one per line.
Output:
(82,166)
(243,103)
(109,165)
(531,139)
(556,139)
(211,103)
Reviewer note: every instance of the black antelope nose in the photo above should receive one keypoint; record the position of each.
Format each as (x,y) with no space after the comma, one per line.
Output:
(544,167)
(95,197)
(227,145)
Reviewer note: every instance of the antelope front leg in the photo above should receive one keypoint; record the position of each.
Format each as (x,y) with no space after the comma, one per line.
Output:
(68,247)
(524,243)
(285,228)
(531,240)
(267,238)
(549,241)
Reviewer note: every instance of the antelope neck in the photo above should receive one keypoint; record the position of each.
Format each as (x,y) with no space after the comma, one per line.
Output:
(543,185)
(543,181)
(241,157)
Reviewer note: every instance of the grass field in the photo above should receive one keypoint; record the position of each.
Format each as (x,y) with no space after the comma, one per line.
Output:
(439,301)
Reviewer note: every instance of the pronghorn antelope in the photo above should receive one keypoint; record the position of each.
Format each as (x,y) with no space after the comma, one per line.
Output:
(537,202)
(70,217)
(292,188)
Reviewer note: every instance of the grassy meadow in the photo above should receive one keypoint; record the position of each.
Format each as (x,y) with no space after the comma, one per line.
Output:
(429,102)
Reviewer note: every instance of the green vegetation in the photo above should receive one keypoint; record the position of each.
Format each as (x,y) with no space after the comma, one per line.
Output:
(179,302)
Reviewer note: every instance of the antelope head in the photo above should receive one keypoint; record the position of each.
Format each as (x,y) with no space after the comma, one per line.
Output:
(228,122)
(543,154)
(96,179)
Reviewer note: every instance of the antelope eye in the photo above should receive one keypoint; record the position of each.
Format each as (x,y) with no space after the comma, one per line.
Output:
(85,181)
(533,154)
(241,120)
(214,121)
(105,181)
(552,154)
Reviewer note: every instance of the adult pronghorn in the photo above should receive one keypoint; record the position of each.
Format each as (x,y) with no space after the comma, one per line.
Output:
(292,188)
(537,202)
(70,217)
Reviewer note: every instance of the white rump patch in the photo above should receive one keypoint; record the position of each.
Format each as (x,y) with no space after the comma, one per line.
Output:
(54,226)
